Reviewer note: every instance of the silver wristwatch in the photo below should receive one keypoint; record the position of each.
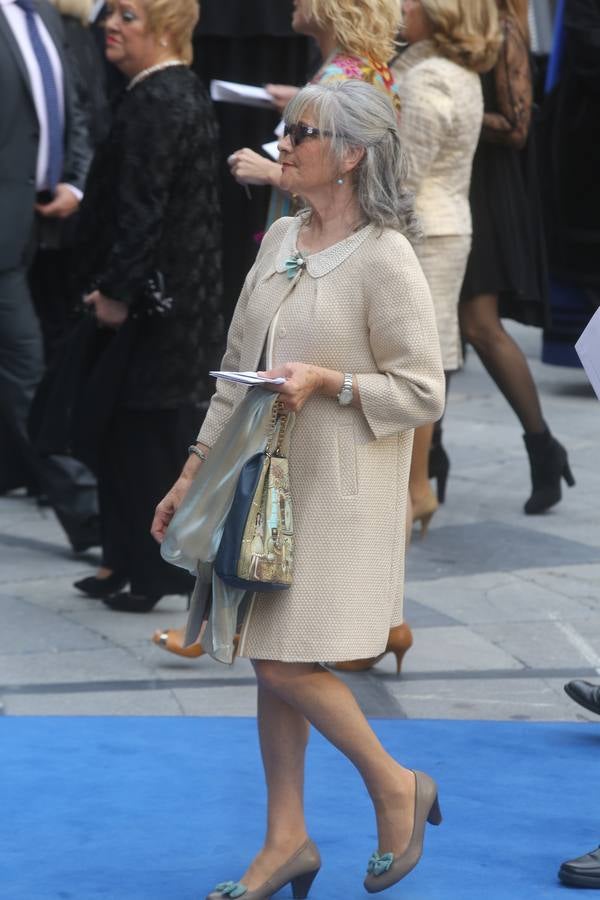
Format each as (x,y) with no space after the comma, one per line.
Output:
(346,394)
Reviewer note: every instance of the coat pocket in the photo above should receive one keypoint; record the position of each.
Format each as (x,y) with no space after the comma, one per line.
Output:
(347,461)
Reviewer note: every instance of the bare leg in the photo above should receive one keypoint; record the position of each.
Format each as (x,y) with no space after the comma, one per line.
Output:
(503,359)
(328,704)
(418,482)
(283,734)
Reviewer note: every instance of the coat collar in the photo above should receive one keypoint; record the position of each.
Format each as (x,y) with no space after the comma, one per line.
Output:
(324,262)
(415,54)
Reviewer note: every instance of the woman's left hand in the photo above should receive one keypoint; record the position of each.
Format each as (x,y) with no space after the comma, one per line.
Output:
(111,313)
(301,382)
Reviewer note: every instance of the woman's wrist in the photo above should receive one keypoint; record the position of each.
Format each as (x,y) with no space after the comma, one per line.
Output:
(274,174)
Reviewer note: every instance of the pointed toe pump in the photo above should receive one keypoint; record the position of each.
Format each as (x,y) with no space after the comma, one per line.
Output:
(171,640)
(299,871)
(400,640)
(386,869)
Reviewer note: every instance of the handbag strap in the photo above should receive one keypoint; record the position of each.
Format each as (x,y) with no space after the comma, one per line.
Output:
(277,429)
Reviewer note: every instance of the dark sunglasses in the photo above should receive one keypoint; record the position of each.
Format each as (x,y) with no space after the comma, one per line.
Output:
(298,132)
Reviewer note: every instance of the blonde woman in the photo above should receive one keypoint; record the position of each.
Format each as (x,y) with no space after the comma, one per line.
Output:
(450,43)
(506,276)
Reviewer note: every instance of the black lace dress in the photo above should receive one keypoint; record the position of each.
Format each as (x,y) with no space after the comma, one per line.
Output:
(507,256)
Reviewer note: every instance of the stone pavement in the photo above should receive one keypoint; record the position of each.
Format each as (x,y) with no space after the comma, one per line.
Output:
(504,608)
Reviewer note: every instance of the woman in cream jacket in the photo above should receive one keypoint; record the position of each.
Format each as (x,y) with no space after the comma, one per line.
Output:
(451,41)
(362,364)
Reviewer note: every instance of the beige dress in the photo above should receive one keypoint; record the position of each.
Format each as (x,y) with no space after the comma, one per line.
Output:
(440,121)
(361,306)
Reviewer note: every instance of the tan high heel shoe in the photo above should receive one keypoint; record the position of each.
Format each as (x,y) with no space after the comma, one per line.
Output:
(300,871)
(423,510)
(171,639)
(400,640)
(386,869)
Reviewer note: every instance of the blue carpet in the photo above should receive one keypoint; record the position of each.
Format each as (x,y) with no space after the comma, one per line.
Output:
(162,809)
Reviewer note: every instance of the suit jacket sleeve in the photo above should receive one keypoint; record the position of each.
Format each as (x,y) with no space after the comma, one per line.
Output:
(408,388)
(78,146)
(425,120)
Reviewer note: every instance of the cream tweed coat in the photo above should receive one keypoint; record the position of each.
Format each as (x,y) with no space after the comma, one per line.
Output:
(440,121)
(361,306)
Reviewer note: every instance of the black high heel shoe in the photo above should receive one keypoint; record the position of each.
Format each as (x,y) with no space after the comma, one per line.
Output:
(128,602)
(439,464)
(101,587)
(549,463)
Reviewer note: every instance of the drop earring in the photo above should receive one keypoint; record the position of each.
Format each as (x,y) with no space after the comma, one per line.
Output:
(339,180)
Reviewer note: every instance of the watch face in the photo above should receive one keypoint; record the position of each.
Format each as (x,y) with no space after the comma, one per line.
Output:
(345,396)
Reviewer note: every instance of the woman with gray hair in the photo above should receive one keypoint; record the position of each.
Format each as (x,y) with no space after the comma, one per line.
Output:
(338,298)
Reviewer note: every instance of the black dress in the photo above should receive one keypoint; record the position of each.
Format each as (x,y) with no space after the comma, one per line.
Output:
(151,206)
(507,255)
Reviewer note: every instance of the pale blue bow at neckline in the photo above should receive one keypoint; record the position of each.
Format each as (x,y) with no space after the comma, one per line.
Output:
(378,864)
(294,264)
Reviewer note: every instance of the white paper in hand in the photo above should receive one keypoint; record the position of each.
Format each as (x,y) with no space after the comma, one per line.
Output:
(246,378)
(245,94)
(272,149)
(588,350)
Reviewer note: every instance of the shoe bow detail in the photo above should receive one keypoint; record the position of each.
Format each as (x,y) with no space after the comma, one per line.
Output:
(293,265)
(380,863)
(232,889)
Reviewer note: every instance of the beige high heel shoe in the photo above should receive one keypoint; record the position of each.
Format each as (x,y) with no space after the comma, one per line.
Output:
(423,510)
(400,640)
(300,871)
(386,869)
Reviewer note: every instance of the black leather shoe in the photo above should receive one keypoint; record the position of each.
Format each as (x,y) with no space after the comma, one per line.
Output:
(128,602)
(583,871)
(101,587)
(585,693)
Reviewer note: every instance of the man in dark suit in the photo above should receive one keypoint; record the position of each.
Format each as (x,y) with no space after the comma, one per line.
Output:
(44,158)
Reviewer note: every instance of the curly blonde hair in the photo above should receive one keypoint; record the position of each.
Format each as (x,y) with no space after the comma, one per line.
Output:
(361,27)
(466,31)
(178,19)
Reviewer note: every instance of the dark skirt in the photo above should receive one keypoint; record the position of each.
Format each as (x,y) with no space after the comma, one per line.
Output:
(141,457)
(507,255)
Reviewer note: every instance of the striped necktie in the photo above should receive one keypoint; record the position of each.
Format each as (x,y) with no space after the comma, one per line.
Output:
(55,131)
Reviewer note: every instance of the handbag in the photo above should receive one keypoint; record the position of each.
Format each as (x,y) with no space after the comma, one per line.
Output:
(257,546)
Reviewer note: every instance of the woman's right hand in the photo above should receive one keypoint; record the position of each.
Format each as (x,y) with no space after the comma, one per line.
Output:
(168,506)
(281,94)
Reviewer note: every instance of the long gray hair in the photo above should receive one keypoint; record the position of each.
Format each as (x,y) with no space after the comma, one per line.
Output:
(357,115)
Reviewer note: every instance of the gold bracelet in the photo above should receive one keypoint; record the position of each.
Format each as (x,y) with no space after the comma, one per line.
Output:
(197,452)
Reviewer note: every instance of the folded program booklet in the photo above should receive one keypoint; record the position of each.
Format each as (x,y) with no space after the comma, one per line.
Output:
(244,94)
(246,378)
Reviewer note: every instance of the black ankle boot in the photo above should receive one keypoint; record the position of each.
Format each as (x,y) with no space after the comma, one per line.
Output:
(439,464)
(549,463)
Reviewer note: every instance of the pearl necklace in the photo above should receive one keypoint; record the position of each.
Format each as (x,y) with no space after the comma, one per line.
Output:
(146,72)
